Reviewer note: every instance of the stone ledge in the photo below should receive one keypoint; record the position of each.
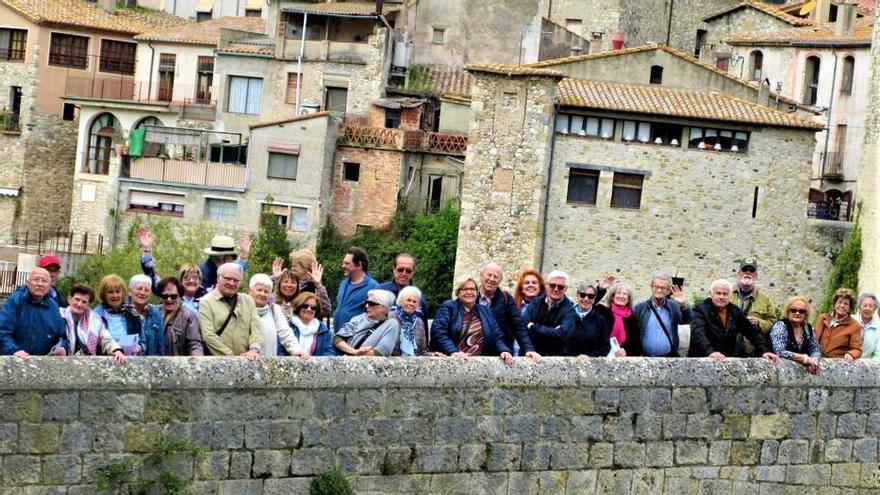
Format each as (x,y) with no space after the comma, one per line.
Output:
(140,374)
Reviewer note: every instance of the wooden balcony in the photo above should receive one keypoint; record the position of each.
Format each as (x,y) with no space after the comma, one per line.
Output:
(171,171)
(421,141)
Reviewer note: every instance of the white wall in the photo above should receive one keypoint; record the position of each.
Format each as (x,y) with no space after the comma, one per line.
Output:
(185,69)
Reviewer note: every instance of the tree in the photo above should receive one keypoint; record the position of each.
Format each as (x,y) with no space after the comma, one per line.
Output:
(270,242)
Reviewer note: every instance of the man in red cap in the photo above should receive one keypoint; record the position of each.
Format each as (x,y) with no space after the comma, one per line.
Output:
(52,264)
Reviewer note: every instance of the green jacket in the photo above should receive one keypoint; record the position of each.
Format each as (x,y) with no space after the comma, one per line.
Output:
(243,333)
(761,308)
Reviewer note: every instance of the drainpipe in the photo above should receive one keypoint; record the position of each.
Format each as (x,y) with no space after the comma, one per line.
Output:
(546,213)
(669,21)
(299,62)
(152,58)
(828,127)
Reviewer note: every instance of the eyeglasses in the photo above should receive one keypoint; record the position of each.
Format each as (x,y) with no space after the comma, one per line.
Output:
(556,286)
(373,303)
(747,269)
(314,307)
(587,295)
(191,278)
(403,270)
(230,279)
(468,289)
(797,311)
(171,297)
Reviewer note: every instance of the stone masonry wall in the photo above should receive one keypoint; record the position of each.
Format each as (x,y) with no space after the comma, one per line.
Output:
(869,175)
(628,426)
(372,200)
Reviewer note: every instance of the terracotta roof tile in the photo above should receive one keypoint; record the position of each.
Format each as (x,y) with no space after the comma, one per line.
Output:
(866,7)
(593,56)
(287,120)
(451,81)
(262,47)
(85,15)
(821,34)
(763,7)
(658,100)
(205,33)
(339,8)
(513,70)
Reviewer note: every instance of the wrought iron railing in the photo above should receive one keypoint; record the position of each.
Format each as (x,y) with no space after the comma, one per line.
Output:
(410,140)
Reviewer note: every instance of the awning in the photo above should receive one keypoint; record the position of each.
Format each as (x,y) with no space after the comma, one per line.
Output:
(152,199)
(399,102)
(10,191)
(279,147)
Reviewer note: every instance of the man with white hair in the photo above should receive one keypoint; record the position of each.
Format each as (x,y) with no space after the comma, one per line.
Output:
(718,328)
(551,319)
(658,318)
(506,314)
(30,323)
(229,321)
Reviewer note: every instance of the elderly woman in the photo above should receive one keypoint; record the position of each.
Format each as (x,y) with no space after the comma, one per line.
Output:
(463,328)
(276,331)
(619,315)
(182,334)
(792,338)
(152,326)
(312,334)
(838,333)
(413,339)
(307,274)
(371,333)
(590,337)
(122,319)
(529,286)
(86,332)
(867,318)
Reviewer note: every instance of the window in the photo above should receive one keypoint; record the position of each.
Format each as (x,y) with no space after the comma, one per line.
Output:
(701,40)
(585,126)
(299,218)
(281,213)
(290,217)
(636,131)
(117,57)
(626,191)
(204,16)
(204,80)
(292,83)
(245,95)
(102,132)
(156,203)
(756,65)
(811,81)
(666,133)
(392,118)
(68,50)
(438,35)
(718,139)
(13,44)
(167,64)
(351,171)
(723,62)
(336,99)
(220,209)
(846,78)
(68,112)
(253,12)
(282,165)
(582,186)
(656,74)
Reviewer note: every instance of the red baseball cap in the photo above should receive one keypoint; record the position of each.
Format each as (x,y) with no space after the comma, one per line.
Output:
(47,261)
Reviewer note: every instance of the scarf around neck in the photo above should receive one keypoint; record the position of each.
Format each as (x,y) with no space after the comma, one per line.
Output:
(618,330)
(407,328)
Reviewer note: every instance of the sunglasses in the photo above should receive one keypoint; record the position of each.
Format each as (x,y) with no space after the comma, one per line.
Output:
(169,297)
(313,307)
(373,303)
(403,270)
(747,269)
(556,286)
(797,311)
(587,295)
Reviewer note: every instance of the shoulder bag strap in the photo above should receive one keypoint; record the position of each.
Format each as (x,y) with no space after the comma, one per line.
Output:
(228,317)
(660,320)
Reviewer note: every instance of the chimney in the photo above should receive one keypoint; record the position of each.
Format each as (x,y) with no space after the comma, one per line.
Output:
(617,41)
(846,18)
(108,6)
(764,92)
(821,11)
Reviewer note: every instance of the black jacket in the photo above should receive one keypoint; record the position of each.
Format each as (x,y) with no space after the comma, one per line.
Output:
(708,335)
(632,345)
(552,327)
(590,336)
(510,321)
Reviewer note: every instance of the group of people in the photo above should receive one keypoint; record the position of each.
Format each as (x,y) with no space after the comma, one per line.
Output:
(203,312)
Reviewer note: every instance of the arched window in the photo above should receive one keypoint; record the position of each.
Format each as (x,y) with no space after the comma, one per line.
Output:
(811,81)
(846,78)
(151,120)
(756,65)
(656,74)
(101,134)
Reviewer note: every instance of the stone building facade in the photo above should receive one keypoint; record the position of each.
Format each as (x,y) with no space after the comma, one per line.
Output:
(869,174)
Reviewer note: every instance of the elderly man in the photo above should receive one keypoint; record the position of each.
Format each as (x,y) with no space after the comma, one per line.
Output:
(757,307)
(658,319)
(353,290)
(52,264)
(229,321)
(402,273)
(30,323)
(504,310)
(718,326)
(551,319)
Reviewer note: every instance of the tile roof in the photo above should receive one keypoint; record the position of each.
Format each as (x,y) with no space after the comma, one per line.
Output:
(513,70)
(821,34)
(452,82)
(658,100)
(866,7)
(672,51)
(85,15)
(287,120)
(262,47)
(763,7)
(364,9)
(205,33)
(394,102)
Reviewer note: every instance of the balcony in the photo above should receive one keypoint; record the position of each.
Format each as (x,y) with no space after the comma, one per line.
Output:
(421,141)
(192,99)
(832,165)
(328,50)
(177,171)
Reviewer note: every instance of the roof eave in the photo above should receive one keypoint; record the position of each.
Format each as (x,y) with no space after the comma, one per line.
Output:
(835,44)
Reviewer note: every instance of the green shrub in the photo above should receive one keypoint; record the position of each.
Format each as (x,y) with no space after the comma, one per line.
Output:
(330,483)
(270,242)
(845,272)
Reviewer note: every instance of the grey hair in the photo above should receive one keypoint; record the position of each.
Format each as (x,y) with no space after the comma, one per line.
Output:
(558,274)
(621,285)
(231,266)
(721,281)
(140,278)
(383,297)
(662,276)
(586,285)
(867,295)
(260,278)
(408,291)
(491,263)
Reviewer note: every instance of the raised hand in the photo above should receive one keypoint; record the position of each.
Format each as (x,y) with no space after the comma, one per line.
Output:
(678,296)
(607,281)
(277,268)
(317,273)
(145,237)
(245,242)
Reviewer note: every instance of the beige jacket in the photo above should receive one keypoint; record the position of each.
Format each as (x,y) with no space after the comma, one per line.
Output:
(243,333)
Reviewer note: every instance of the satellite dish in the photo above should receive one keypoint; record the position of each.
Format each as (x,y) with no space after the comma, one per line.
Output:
(808,7)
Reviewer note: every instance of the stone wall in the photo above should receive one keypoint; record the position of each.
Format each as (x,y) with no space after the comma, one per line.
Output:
(869,175)
(628,426)
(742,21)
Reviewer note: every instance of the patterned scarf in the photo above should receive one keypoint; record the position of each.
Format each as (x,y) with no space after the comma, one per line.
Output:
(83,322)
(618,330)
(407,333)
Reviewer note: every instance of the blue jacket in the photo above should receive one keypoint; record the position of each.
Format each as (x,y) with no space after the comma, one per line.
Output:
(446,329)
(150,330)
(350,299)
(551,329)
(31,326)
(323,344)
(209,272)
(510,321)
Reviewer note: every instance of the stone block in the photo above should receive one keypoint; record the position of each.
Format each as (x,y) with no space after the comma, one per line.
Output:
(436,459)
(286,486)
(240,487)
(573,401)
(21,406)
(98,406)
(817,399)
(213,465)
(240,463)
(271,464)
(606,400)
(39,438)
(735,426)
(619,428)
(535,457)
(488,429)
(564,456)
(846,474)
(586,428)
(90,465)
(557,429)
(770,473)
(313,461)
(8,437)
(674,426)
(61,406)
(680,486)
(364,403)
(851,425)
(793,400)
(826,425)
(470,458)
(503,456)
(330,405)
(256,435)
(865,449)
(769,451)
(228,435)
(793,452)
(648,481)
(601,455)
(770,426)
(524,483)
(21,470)
(841,400)
(689,452)
(803,426)
(659,454)
(706,472)
(689,400)
(745,452)
(141,437)
(634,400)
(580,482)
(838,450)
(44,490)
(867,400)
(629,454)
(455,430)
(810,474)
(737,473)
(649,426)
(61,469)
(703,426)
(715,487)
(816,451)
(719,453)
(360,460)
(381,432)
(613,482)
(746,487)
(522,428)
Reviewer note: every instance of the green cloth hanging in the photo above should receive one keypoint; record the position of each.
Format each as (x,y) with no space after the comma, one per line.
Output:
(136,138)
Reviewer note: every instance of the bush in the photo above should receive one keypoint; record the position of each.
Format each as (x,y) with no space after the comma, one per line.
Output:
(431,238)
(330,483)
(845,272)
(270,242)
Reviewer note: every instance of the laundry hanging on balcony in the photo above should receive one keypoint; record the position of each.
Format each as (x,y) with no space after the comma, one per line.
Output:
(136,138)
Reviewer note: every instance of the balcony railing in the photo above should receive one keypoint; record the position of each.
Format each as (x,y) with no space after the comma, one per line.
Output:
(347,51)
(129,90)
(174,171)
(381,137)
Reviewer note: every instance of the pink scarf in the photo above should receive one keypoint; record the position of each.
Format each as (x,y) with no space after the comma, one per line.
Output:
(618,330)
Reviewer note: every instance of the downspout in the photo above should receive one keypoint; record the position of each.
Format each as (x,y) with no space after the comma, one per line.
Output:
(152,59)
(669,21)
(299,62)
(546,212)
(828,127)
